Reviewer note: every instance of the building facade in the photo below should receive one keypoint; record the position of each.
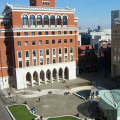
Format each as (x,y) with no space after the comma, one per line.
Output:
(100,37)
(39,44)
(115,46)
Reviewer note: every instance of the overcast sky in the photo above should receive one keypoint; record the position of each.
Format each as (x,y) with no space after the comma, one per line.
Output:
(91,13)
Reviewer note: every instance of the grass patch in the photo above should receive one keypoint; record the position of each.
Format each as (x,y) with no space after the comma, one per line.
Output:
(64,118)
(20,112)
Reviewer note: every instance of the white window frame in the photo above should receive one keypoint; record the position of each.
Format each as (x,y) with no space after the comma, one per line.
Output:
(32,54)
(18,64)
(25,54)
(52,51)
(25,62)
(49,52)
(21,55)
(39,52)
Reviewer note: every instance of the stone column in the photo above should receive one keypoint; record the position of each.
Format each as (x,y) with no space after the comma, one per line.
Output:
(57,76)
(63,76)
(51,78)
(32,81)
(45,81)
(38,79)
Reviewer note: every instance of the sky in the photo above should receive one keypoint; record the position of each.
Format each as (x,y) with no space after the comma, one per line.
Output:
(90,13)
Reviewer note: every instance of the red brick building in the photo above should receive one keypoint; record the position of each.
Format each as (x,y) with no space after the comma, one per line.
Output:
(38,44)
(87,58)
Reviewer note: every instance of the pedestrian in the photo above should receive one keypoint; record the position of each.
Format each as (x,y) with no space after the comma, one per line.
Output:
(41,117)
(39,99)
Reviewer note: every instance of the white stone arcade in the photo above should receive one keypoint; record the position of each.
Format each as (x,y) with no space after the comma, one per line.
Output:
(45,74)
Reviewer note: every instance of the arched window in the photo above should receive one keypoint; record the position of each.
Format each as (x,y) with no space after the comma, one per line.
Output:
(39,20)
(46,20)
(64,20)
(58,20)
(52,20)
(24,20)
(32,20)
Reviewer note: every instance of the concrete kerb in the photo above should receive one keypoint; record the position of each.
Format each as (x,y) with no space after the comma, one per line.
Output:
(37,116)
(65,116)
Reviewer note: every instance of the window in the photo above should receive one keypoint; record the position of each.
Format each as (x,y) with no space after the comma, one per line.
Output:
(60,51)
(65,40)
(53,41)
(40,42)
(19,54)
(71,50)
(48,60)
(47,51)
(27,63)
(5,34)
(71,40)
(52,20)
(34,62)
(26,43)
(71,57)
(24,20)
(39,20)
(20,64)
(25,33)
(70,32)
(65,32)
(33,42)
(40,52)
(46,20)
(58,20)
(66,58)
(64,20)
(8,63)
(53,32)
(41,61)
(46,33)
(40,33)
(6,43)
(7,53)
(34,53)
(54,59)
(47,41)
(60,59)
(9,72)
(59,32)
(114,58)
(65,50)
(32,20)
(18,33)
(26,53)
(18,43)
(53,52)
(59,41)
(33,33)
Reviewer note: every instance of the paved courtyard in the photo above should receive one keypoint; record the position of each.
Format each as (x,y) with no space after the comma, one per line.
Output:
(55,105)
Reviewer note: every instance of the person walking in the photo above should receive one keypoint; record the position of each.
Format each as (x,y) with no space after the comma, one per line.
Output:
(39,99)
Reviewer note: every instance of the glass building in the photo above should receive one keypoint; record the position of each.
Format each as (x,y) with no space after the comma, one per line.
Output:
(110,104)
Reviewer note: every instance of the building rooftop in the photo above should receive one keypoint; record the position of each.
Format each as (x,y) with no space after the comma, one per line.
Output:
(35,8)
(111,97)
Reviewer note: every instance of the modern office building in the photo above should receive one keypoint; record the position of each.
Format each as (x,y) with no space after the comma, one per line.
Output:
(38,44)
(115,51)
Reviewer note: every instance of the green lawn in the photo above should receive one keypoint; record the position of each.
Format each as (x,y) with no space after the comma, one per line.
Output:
(20,112)
(64,118)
